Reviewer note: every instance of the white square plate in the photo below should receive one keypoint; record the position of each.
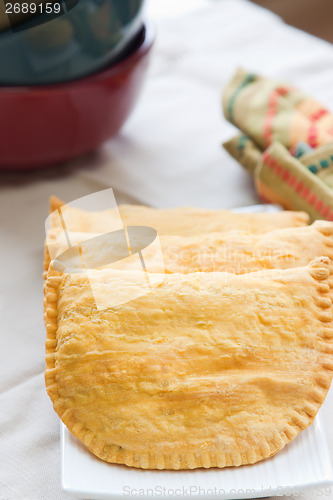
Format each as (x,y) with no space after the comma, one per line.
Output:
(302,464)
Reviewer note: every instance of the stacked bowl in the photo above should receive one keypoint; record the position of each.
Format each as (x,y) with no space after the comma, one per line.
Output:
(70,75)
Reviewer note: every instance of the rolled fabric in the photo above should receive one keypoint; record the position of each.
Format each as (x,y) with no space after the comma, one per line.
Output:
(245,151)
(320,162)
(267,110)
(281,178)
(286,142)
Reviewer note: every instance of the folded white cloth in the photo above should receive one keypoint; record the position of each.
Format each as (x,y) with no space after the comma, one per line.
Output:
(168,154)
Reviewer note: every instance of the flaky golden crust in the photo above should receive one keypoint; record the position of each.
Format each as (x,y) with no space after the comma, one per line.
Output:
(239,252)
(206,370)
(55,203)
(188,221)
(235,252)
(184,221)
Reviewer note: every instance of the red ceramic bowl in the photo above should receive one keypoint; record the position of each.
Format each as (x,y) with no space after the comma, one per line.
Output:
(45,125)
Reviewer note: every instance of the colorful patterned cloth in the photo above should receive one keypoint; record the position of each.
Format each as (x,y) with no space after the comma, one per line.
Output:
(286,142)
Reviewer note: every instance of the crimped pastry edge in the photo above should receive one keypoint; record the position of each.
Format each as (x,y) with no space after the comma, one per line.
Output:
(319,269)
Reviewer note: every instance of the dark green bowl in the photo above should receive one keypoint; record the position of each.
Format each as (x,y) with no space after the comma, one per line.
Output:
(78,41)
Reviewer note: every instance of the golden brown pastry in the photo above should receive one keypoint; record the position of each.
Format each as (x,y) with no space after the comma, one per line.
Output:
(205,370)
(235,252)
(239,252)
(185,221)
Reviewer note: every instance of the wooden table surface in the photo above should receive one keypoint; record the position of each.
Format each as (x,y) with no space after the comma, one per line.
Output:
(315,17)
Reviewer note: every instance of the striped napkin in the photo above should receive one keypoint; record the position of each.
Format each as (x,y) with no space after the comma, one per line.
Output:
(286,142)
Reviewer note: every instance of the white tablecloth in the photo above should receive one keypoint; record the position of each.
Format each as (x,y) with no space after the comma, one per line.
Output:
(168,154)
